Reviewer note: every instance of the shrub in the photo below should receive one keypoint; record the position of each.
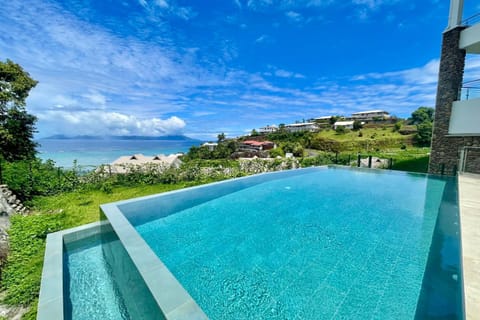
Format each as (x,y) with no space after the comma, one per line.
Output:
(357,125)
(341,130)
(424,134)
(276,152)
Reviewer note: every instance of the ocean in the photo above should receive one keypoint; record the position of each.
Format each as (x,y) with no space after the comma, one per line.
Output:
(89,152)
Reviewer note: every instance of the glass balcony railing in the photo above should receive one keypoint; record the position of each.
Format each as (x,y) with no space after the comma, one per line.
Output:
(471,20)
(469,90)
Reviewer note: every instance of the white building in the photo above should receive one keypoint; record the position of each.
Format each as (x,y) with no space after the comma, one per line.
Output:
(268,129)
(210,145)
(345,124)
(323,119)
(125,164)
(371,115)
(304,126)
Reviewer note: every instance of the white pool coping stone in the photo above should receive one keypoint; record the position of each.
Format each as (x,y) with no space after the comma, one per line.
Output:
(469,202)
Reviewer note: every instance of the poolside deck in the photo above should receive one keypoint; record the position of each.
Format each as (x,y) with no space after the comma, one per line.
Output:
(469,196)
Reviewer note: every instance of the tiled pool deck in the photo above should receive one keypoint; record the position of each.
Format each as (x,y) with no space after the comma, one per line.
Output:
(469,196)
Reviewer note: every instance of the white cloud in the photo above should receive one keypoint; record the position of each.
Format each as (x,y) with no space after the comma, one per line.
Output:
(163,7)
(102,123)
(287,74)
(426,74)
(374,4)
(96,98)
(264,39)
(294,16)
(162,3)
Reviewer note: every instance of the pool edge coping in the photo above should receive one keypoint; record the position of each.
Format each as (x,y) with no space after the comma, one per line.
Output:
(468,211)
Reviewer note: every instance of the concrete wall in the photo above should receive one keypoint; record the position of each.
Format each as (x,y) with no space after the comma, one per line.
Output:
(465,119)
(470,39)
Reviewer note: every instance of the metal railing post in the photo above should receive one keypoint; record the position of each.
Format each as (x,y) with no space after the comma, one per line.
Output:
(359,160)
(369,161)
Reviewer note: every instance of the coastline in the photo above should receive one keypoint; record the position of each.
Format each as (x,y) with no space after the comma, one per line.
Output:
(92,153)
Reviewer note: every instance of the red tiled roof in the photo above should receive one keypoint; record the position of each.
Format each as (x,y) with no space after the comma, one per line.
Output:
(257,143)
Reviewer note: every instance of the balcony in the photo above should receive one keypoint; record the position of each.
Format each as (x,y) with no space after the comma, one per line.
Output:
(466,111)
(470,37)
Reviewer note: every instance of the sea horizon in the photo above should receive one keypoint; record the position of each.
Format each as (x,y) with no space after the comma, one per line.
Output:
(95,152)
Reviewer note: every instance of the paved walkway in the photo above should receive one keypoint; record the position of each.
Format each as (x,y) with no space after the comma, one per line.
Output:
(469,194)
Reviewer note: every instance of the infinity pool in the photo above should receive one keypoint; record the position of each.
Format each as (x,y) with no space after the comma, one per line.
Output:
(322,243)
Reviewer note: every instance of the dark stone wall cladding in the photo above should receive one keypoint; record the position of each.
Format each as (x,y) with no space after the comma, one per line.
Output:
(472,164)
(446,149)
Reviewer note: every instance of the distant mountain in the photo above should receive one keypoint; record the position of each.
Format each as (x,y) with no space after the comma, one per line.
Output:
(86,137)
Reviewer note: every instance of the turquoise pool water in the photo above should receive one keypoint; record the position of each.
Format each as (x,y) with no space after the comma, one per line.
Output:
(321,244)
(102,283)
(91,291)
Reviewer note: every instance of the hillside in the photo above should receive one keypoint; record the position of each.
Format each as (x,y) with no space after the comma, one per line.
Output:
(364,140)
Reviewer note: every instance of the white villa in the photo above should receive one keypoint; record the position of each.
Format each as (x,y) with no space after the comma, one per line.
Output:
(345,124)
(210,145)
(322,119)
(370,115)
(268,129)
(303,126)
(125,163)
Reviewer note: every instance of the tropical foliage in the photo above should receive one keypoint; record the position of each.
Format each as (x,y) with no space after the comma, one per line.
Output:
(16,125)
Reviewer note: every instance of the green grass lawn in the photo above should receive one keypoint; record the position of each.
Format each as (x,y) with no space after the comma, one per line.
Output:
(366,134)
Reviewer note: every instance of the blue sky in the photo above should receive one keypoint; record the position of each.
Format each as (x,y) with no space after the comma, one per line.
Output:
(157,67)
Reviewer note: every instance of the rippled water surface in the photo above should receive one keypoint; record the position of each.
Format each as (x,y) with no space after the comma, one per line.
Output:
(330,244)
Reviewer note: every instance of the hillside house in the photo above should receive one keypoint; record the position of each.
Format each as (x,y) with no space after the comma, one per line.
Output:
(303,126)
(371,115)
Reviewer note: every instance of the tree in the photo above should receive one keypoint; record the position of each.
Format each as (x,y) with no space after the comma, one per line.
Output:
(424,134)
(16,125)
(333,119)
(254,133)
(422,114)
(357,125)
(398,125)
(221,137)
